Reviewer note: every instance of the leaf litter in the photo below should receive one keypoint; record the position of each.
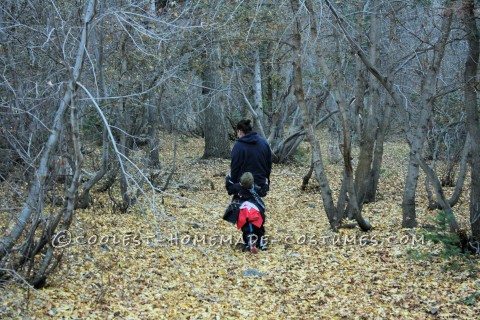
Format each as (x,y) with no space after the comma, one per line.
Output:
(183,261)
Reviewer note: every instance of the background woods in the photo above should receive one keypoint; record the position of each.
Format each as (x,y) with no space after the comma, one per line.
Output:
(89,91)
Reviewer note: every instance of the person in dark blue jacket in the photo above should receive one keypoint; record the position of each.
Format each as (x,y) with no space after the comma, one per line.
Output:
(251,153)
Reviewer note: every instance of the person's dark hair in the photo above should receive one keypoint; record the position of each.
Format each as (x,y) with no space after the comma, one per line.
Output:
(245,125)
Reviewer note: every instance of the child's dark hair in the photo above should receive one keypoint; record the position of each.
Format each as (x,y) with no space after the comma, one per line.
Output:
(245,126)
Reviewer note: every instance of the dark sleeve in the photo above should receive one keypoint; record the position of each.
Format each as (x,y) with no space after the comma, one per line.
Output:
(236,163)
(229,184)
(234,188)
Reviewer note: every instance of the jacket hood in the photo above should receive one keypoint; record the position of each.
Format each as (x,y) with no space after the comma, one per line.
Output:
(250,138)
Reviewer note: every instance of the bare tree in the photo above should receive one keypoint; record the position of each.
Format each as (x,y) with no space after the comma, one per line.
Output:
(334,213)
(416,132)
(471,109)
(372,119)
(19,247)
(215,127)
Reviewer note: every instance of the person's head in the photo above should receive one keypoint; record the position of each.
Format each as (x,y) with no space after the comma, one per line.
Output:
(246,180)
(244,127)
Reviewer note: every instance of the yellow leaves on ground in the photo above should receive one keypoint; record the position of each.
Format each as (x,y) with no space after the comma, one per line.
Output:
(181,260)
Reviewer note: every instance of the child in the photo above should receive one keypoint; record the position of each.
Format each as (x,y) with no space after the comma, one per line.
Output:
(251,212)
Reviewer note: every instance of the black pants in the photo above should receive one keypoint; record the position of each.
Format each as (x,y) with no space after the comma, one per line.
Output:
(252,232)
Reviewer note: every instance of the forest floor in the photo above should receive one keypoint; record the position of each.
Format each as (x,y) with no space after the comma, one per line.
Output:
(182,260)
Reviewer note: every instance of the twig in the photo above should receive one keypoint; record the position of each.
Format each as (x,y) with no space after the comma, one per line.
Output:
(16,275)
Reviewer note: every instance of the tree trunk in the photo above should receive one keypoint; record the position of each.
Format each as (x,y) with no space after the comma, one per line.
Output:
(215,127)
(472,114)
(84,199)
(319,170)
(123,149)
(258,93)
(444,204)
(371,143)
(353,201)
(125,120)
(334,78)
(428,86)
(153,145)
(383,123)
(460,178)
(420,129)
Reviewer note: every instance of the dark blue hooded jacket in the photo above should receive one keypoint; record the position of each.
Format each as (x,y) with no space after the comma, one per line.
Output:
(251,153)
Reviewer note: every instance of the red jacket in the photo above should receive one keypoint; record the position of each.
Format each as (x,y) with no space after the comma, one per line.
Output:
(249,212)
